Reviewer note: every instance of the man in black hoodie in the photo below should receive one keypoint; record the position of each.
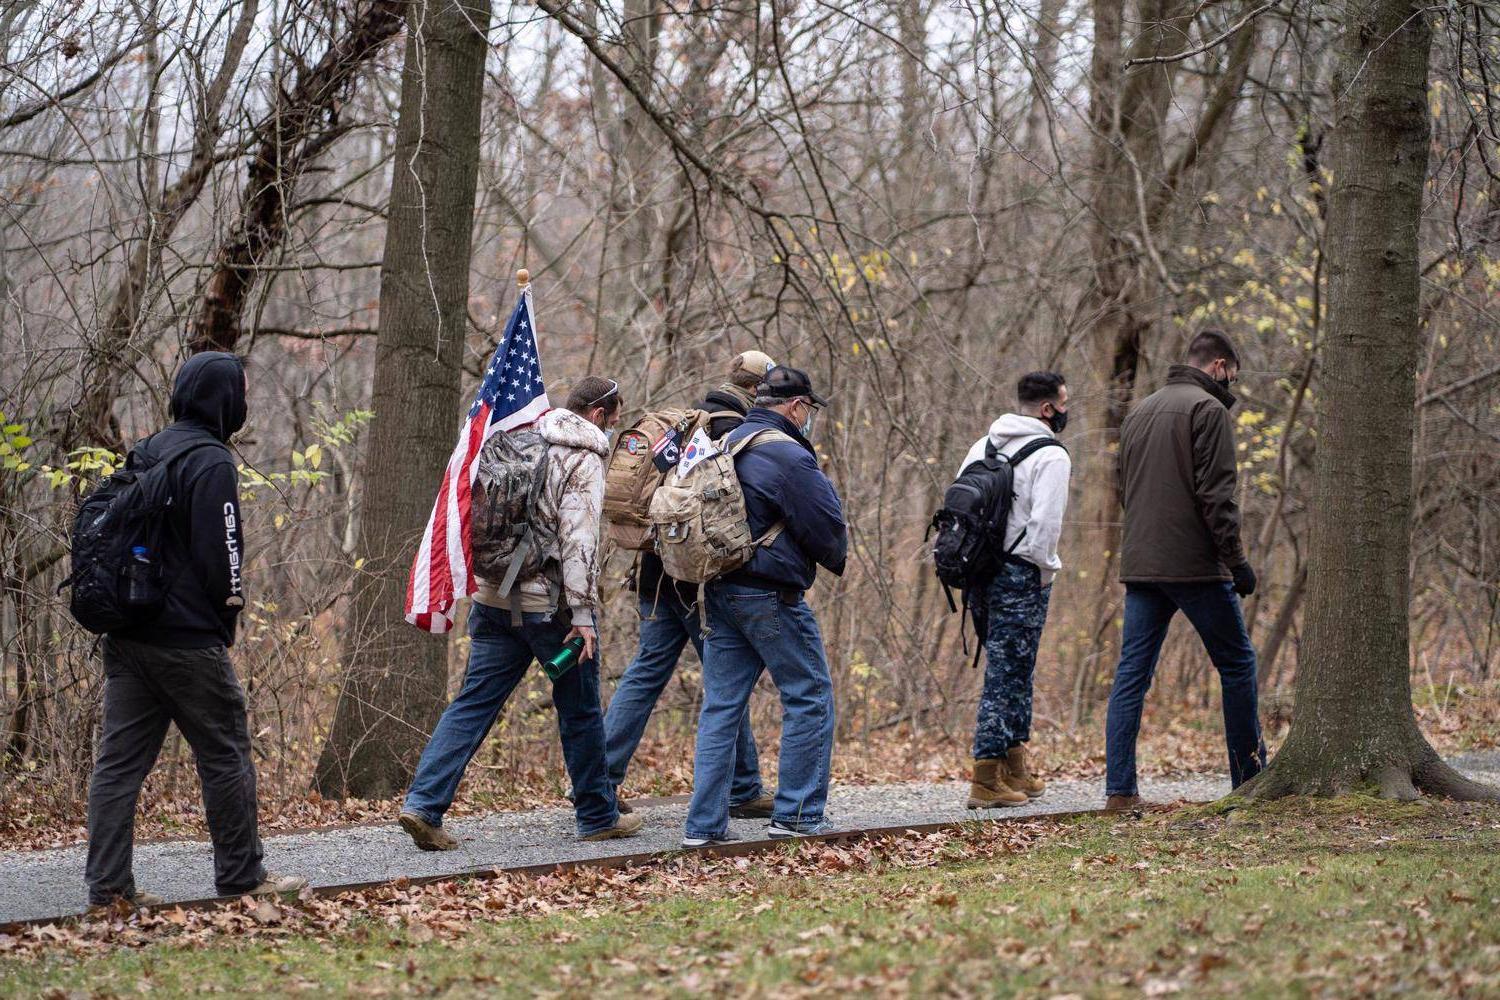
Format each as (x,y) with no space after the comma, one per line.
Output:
(175,668)
(669,621)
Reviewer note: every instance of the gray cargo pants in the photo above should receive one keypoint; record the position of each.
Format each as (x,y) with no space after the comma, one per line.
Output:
(146,688)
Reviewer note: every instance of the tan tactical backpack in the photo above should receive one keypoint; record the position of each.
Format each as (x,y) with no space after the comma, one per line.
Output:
(698,521)
(633,476)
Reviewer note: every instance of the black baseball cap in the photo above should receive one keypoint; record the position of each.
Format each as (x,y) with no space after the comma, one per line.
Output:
(783,382)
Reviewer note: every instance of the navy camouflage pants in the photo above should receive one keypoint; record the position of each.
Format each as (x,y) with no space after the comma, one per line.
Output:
(1015,604)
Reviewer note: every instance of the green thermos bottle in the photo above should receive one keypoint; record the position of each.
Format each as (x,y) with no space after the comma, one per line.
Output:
(564,659)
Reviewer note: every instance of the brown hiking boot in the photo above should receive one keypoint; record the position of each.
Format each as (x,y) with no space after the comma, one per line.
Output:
(987,791)
(623,804)
(628,825)
(279,885)
(425,835)
(1124,803)
(759,808)
(1018,776)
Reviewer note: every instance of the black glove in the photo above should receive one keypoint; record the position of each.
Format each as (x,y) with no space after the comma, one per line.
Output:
(1244,579)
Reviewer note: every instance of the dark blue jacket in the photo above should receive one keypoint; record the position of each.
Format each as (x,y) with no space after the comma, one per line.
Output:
(782,482)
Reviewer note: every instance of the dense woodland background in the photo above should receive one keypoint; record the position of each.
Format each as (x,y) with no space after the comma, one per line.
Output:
(915,201)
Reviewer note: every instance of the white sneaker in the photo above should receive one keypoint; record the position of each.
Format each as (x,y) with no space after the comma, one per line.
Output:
(689,843)
(780,831)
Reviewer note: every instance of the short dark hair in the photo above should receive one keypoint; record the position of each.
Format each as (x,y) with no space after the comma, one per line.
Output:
(592,391)
(1039,387)
(1210,346)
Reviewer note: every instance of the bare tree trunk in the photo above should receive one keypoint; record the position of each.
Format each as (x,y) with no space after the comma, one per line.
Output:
(91,418)
(395,676)
(1353,725)
(304,122)
(1043,69)
(1129,107)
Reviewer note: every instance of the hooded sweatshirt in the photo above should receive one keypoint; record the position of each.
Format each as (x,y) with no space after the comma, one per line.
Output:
(1041,486)
(573,499)
(203,550)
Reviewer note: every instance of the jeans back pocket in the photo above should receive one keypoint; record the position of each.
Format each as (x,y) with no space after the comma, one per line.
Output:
(756,615)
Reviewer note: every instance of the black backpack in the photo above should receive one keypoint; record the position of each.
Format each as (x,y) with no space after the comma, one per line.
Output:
(970,524)
(112,588)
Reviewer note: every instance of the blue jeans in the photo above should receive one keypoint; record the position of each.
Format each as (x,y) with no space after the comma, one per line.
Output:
(752,630)
(498,658)
(1015,604)
(1214,611)
(667,626)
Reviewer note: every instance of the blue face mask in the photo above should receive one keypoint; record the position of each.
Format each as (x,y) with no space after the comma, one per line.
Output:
(806,429)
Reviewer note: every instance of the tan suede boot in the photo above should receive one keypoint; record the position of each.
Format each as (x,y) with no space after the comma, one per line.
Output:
(987,791)
(1018,776)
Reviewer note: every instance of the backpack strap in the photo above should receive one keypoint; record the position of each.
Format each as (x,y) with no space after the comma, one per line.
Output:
(181,451)
(772,533)
(512,570)
(755,439)
(1032,447)
(1022,454)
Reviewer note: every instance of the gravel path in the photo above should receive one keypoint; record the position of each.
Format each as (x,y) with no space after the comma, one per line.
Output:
(42,884)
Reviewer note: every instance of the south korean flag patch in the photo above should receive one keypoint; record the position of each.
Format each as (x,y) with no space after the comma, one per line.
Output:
(699,447)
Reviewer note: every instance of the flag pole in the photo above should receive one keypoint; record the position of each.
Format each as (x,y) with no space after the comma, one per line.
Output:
(523,278)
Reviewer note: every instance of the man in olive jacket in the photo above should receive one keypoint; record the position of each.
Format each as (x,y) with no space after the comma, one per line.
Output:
(1182,552)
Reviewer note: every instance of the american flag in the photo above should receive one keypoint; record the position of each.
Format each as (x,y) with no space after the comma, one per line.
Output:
(511,395)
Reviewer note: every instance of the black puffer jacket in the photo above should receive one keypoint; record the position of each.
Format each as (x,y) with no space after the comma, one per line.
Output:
(203,548)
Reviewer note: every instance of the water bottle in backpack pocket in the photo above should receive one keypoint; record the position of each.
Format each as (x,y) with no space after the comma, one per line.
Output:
(143,584)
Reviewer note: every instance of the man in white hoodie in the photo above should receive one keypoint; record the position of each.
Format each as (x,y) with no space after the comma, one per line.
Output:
(556,605)
(1014,604)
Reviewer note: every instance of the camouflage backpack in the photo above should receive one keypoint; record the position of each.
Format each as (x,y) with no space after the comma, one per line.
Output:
(508,542)
(698,521)
(635,471)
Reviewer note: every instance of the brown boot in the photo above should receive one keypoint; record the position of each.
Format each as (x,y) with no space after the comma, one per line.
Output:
(1018,776)
(987,791)
(425,835)
(756,808)
(628,825)
(1124,803)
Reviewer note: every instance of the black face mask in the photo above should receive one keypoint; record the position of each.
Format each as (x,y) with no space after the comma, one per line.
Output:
(1057,421)
(1223,383)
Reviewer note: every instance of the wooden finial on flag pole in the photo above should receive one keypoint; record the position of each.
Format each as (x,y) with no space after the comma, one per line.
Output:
(523,278)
